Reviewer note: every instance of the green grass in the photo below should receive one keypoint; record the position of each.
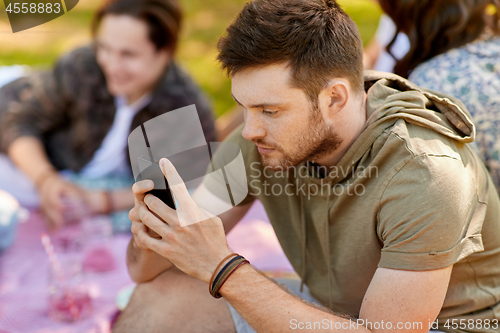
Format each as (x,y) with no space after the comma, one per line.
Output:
(205,21)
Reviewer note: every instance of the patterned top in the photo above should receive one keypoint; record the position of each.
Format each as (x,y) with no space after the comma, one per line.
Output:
(471,73)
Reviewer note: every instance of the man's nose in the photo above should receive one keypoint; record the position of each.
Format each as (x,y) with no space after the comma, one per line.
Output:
(253,128)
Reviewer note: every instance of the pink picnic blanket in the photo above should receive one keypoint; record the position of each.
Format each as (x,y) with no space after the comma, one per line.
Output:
(24,272)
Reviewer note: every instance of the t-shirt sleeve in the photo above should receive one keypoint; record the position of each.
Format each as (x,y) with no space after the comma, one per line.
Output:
(37,103)
(233,156)
(431,214)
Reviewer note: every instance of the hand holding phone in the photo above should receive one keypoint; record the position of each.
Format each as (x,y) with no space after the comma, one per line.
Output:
(161,189)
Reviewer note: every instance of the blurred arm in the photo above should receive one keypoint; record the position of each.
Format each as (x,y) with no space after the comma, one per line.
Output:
(29,155)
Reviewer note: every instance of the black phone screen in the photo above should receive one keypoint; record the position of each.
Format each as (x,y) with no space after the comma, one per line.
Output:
(161,189)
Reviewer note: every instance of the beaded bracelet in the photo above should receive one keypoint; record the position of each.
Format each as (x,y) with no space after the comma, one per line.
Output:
(218,279)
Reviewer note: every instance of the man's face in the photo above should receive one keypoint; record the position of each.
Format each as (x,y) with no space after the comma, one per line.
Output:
(280,119)
(129,60)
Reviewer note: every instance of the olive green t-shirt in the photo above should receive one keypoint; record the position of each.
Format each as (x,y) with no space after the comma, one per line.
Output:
(409,194)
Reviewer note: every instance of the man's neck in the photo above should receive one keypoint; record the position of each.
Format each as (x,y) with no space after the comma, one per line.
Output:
(132,98)
(355,125)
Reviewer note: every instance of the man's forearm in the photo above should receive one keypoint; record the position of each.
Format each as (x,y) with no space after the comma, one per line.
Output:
(144,266)
(268,308)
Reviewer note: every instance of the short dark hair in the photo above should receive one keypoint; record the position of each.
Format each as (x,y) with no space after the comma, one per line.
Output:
(315,37)
(163,17)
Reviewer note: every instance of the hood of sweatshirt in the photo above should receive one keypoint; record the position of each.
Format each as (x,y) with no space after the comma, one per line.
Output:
(389,99)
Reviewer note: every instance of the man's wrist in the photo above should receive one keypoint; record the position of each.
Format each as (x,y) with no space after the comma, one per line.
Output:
(207,273)
(108,207)
(43,177)
(231,286)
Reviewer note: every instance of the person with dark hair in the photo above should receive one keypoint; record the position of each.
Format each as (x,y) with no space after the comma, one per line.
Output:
(76,118)
(455,49)
(376,197)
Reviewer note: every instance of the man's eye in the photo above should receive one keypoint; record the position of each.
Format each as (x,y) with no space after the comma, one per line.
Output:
(270,113)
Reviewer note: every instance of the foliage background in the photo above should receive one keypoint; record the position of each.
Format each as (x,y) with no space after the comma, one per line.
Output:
(205,21)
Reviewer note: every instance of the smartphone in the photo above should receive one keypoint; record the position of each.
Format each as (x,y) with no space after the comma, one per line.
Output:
(161,189)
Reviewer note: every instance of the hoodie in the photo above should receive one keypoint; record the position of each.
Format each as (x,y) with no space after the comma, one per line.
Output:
(409,194)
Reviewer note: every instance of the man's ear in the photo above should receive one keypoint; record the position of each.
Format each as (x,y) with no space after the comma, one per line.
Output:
(334,97)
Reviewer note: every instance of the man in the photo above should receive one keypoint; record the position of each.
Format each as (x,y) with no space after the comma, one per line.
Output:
(378,202)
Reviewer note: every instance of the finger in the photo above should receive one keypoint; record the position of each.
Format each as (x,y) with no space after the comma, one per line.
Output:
(75,207)
(138,243)
(162,210)
(55,199)
(140,188)
(132,215)
(175,182)
(152,222)
(140,228)
(151,243)
(136,225)
(54,218)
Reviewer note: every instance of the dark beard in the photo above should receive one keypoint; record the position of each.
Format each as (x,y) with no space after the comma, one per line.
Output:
(321,141)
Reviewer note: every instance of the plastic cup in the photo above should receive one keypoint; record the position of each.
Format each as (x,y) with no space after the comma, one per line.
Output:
(68,294)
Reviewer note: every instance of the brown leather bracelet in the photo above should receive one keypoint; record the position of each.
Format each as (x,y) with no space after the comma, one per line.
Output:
(215,292)
(217,269)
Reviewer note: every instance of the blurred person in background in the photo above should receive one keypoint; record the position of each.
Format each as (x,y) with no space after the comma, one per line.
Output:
(375,55)
(455,49)
(69,127)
